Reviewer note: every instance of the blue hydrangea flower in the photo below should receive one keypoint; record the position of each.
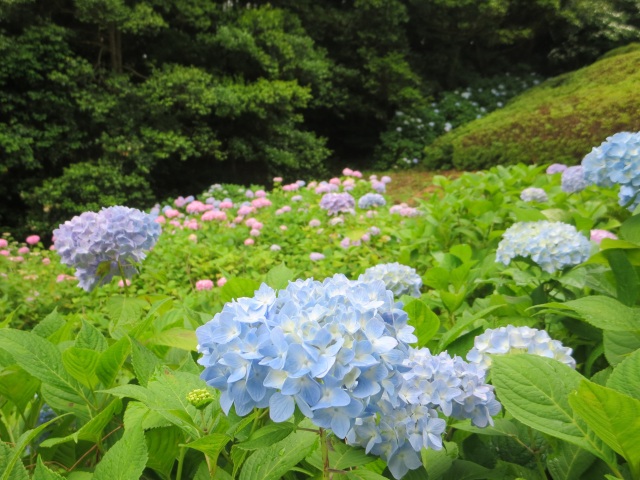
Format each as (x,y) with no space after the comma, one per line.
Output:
(573,180)
(335,203)
(615,161)
(371,200)
(400,279)
(105,244)
(552,245)
(328,347)
(629,196)
(533,194)
(510,339)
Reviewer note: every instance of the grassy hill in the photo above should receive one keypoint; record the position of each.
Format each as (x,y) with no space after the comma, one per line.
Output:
(558,121)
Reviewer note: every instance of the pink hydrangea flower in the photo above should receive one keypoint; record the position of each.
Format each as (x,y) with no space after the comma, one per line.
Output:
(334,181)
(277,179)
(347,172)
(245,210)
(17,259)
(214,215)
(261,202)
(598,235)
(3,243)
(283,227)
(23,250)
(357,174)
(46,261)
(249,241)
(314,222)
(160,219)
(33,239)
(121,284)
(315,256)
(254,232)
(261,194)
(386,179)
(296,198)
(249,194)
(205,284)
(225,204)
(171,213)
(5,253)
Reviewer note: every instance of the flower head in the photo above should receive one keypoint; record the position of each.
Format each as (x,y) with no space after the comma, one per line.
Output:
(615,161)
(598,235)
(371,200)
(400,279)
(335,203)
(205,284)
(533,194)
(106,244)
(552,245)
(573,179)
(556,168)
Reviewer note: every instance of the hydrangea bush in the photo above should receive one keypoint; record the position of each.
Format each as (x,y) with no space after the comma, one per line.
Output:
(400,279)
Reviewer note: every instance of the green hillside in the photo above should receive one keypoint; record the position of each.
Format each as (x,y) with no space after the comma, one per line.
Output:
(558,121)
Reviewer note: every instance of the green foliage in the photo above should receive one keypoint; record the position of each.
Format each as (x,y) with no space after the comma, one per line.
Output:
(558,121)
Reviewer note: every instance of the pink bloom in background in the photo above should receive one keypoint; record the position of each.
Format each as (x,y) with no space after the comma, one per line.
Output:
(192,224)
(371,213)
(221,281)
(214,215)
(292,187)
(6,253)
(277,179)
(250,222)
(257,225)
(315,256)
(249,194)
(315,223)
(193,237)
(312,185)
(33,239)
(345,243)
(275,248)
(3,243)
(176,223)
(261,202)
(46,261)
(23,250)
(336,221)
(245,210)
(357,174)
(283,227)
(379,187)
(249,241)
(226,204)
(63,276)
(204,284)
(121,283)
(254,232)
(347,172)
(286,208)
(374,231)
(160,219)
(261,193)
(52,248)
(171,213)
(296,198)
(598,235)
(198,207)
(386,179)
(17,259)
(334,181)
(348,184)
(365,237)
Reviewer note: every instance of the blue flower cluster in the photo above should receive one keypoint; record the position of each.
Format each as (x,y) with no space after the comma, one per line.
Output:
(400,279)
(573,180)
(616,161)
(552,245)
(338,350)
(397,429)
(105,244)
(371,200)
(335,203)
(533,194)
(510,339)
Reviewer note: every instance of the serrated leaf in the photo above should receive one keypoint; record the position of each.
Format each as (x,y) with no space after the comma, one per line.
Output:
(279,276)
(630,229)
(81,363)
(237,288)
(43,360)
(211,445)
(625,377)
(43,473)
(423,319)
(603,312)
(125,460)
(613,416)
(568,462)
(523,386)
(90,431)
(111,361)
(163,449)
(267,435)
(627,282)
(18,386)
(619,345)
(176,337)
(124,312)
(273,462)
(363,474)
(49,325)
(144,362)
(11,471)
(90,337)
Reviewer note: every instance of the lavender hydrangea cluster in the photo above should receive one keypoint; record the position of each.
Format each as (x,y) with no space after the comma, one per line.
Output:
(573,180)
(336,203)
(105,244)
(510,339)
(533,194)
(400,279)
(398,430)
(338,350)
(371,200)
(552,245)
(616,161)
(556,168)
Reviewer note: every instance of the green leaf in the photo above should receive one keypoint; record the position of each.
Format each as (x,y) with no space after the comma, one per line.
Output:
(144,362)
(438,462)
(630,229)
(603,312)
(211,445)
(267,435)
(569,462)
(452,301)
(627,282)
(125,460)
(523,386)
(176,337)
(527,214)
(124,312)
(111,361)
(625,377)
(90,431)
(462,324)
(81,363)
(346,456)
(11,470)
(279,276)
(43,360)
(363,474)
(163,448)
(619,345)
(49,325)
(613,416)
(273,462)
(423,319)
(237,288)
(90,337)
(18,386)
(44,473)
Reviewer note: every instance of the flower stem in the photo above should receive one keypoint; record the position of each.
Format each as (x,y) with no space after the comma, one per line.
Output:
(324,445)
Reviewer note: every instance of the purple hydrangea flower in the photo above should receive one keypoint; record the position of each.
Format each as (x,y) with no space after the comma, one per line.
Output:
(106,244)
(335,203)
(556,168)
(371,200)
(573,179)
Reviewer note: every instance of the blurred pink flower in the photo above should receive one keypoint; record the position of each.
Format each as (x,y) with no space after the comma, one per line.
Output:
(254,232)
(314,222)
(226,204)
(121,283)
(283,227)
(315,256)
(6,253)
(347,172)
(33,239)
(277,179)
(46,261)
(598,235)
(221,281)
(160,219)
(249,241)
(171,213)
(205,284)
(334,181)
(3,243)
(261,193)
(17,259)
(23,250)
(213,215)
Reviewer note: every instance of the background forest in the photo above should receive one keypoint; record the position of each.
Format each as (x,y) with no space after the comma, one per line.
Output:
(129,101)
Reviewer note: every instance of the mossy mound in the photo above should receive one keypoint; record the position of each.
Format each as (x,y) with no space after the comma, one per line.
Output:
(558,121)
